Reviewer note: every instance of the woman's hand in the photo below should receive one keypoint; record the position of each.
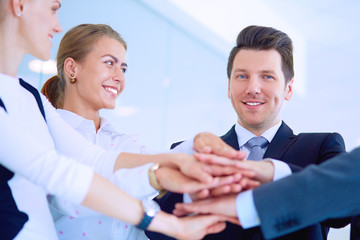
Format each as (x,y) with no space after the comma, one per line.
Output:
(205,170)
(225,205)
(175,181)
(192,227)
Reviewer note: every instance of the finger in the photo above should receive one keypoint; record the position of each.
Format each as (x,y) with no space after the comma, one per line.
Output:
(219,181)
(224,150)
(230,153)
(214,159)
(204,149)
(217,170)
(204,193)
(216,228)
(198,207)
(199,172)
(233,220)
(222,190)
(249,183)
(236,188)
(247,173)
(227,189)
(180,213)
(194,186)
(200,144)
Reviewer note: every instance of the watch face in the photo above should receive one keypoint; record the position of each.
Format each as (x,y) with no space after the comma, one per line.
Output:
(151,207)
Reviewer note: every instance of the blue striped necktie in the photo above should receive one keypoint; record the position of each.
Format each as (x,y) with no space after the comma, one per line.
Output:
(256,144)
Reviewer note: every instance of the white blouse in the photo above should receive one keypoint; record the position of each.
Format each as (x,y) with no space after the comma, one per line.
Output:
(40,154)
(73,221)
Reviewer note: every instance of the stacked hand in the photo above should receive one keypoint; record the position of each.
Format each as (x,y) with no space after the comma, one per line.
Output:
(213,177)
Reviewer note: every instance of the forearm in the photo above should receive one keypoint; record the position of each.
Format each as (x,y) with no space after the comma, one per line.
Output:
(131,160)
(106,198)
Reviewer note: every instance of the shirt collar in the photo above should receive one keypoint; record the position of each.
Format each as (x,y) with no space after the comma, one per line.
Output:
(245,135)
(76,121)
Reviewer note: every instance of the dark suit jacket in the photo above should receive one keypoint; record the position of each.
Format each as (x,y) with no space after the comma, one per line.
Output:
(330,190)
(355,228)
(297,151)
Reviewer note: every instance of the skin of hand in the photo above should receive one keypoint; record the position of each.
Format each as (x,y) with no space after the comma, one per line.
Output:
(206,142)
(263,171)
(246,182)
(220,205)
(192,227)
(187,164)
(242,185)
(106,198)
(175,181)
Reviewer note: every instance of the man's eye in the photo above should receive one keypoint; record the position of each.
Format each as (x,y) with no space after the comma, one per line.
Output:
(268,77)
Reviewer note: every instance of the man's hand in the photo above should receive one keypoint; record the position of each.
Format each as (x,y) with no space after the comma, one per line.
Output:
(262,171)
(206,142)
(173,180)
(225,205)
(242,185)
(204,171)
(191,227)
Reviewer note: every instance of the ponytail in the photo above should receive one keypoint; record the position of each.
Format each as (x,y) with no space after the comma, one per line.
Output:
(54,90)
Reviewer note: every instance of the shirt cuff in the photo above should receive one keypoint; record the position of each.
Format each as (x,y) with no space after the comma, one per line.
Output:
(246,211)
(185,147)
(126,178)
(187,198)
(281,169)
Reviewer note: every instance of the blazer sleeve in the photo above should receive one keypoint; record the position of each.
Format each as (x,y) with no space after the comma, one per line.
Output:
(322,192)
(331,145)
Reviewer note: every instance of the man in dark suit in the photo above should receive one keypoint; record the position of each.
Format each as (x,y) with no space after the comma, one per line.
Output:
(260,73)
(329,190)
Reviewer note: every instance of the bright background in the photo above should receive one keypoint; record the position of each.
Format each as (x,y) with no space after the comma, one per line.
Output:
(176,83)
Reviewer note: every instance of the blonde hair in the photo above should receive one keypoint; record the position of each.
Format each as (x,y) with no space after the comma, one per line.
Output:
(77,44)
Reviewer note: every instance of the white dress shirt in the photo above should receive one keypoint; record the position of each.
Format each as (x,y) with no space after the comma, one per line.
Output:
(245,206)
(74,221)
(40,154)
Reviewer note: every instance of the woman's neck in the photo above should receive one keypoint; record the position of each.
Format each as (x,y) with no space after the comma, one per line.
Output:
(89,114)
(11,53)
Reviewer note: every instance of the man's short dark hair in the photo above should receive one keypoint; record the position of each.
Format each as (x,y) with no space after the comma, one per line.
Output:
(265,38)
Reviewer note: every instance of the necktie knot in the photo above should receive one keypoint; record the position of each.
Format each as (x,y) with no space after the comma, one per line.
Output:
(257,141)
(256,144)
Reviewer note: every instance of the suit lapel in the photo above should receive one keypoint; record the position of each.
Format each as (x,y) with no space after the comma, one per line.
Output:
(282,140)
(231,138)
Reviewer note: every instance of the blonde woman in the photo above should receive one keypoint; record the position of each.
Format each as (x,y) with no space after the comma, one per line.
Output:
(41,154)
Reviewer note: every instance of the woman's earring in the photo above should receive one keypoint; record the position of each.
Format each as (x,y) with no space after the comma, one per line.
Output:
(72,78)
(19,14)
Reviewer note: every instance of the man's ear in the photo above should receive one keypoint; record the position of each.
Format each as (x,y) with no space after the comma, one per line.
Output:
(289,89)
(70,67)
(229,94)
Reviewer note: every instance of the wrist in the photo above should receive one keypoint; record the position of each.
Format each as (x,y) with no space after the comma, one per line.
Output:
(270,170)
(165,223)
(151,209)
(154,180)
